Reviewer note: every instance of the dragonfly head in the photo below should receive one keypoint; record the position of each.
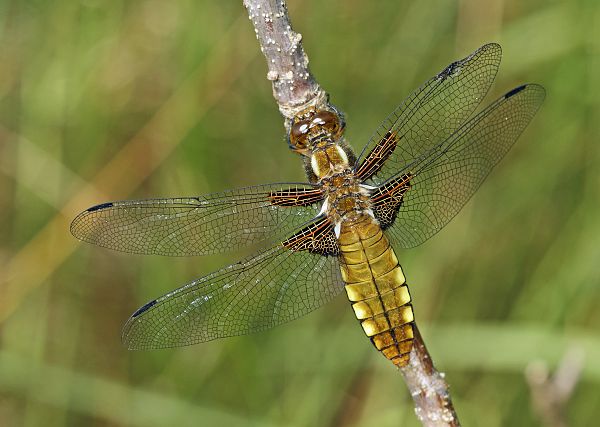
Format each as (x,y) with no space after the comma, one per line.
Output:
(312,127)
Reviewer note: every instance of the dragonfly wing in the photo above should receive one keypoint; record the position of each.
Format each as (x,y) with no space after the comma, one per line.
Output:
(274,287)
(430,115)
(209,224)
(439,184)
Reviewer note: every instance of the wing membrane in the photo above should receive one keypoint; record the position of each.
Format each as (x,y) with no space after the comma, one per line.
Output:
(203,225)
(432,113)
(272,288)
(445,179)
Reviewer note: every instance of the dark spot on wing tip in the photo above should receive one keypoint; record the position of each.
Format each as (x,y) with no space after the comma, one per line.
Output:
(100,206)
(144,308)
(448,71)
(515,91)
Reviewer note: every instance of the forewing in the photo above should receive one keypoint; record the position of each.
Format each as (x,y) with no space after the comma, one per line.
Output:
(209,224)
(444,179)
(435,110)
(272,288)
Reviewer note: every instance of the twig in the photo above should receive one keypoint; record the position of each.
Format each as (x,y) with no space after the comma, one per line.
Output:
(295,89)
(551,393)
(428,388)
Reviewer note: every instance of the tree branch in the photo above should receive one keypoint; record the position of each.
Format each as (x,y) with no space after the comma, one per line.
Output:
(428,388)
(295,89)
(550,393)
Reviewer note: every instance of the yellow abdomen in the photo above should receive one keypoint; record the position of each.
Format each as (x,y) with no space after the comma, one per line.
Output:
(377,289)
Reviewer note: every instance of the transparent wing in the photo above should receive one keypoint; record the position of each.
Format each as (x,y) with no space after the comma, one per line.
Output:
(444,179)
(272,288)
(435,110)
(209,224)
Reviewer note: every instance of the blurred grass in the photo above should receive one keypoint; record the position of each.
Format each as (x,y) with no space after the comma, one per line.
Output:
(103,101)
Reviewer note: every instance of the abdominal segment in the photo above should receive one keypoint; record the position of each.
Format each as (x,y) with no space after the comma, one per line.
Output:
(377,289)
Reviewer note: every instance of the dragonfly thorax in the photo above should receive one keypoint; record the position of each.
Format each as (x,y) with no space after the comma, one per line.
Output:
(347,200)
(328,161)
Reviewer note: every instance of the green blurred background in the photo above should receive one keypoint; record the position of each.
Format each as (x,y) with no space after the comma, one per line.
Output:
(146,98)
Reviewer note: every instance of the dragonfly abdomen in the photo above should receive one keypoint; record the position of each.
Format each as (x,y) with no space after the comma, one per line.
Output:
(377,289)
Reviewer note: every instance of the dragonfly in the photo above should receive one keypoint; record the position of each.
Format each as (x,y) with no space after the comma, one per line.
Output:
(333,233)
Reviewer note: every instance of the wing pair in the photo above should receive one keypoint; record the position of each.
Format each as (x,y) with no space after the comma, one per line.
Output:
(446,158)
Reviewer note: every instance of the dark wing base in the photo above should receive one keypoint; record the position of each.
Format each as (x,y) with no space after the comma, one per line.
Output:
(387,200)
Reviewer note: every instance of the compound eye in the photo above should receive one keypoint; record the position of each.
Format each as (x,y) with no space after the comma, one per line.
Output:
(326,118)
(329,121)
(298,135)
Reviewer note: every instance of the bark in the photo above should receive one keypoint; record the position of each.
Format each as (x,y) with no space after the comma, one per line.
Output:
(294,87)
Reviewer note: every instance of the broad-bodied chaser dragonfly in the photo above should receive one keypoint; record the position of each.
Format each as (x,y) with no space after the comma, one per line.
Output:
(335,232)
